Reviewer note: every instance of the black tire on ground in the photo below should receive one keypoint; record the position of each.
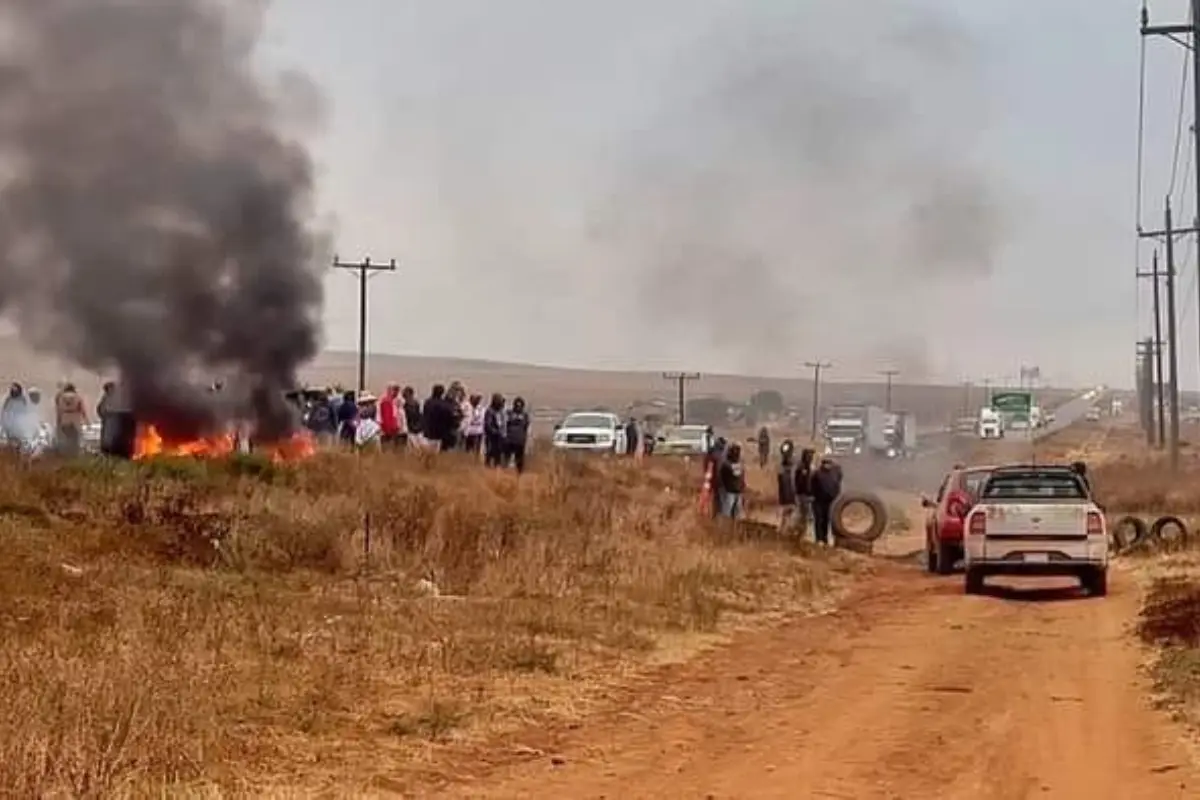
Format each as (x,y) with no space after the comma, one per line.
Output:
(1128,532)
(1164,524)
(1095,582)
(946,558)
(879,519)
(973,582)
(931,558)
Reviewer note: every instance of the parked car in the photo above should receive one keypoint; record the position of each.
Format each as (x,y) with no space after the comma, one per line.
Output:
(591,431)
(944,522)
(683,440)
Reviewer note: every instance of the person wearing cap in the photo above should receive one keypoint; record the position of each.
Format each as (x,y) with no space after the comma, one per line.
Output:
(826,486)
(368,433)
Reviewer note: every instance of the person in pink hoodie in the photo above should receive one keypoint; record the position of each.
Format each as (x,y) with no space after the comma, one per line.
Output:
(394,432)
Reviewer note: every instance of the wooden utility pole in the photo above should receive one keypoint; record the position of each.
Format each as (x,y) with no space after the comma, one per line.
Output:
(817,367)
(364,270)
(1154,357)
(681,379)
(887,396)
(1168,234)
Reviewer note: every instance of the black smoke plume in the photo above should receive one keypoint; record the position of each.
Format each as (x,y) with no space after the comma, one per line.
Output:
(154,215)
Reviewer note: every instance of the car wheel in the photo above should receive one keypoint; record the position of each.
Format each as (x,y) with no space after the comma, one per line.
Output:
(1095,582)
(931,558)
(945,559)
(973,582)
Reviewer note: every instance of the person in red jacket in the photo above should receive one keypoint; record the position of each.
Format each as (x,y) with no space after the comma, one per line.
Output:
(391,420)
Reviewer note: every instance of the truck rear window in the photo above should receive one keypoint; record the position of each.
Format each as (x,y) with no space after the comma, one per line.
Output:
(1034,486)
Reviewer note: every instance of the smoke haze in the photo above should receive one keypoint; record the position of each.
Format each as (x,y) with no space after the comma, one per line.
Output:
(769,173)
(154,213)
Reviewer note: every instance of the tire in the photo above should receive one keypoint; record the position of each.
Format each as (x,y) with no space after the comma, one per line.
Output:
(1095,582)
(1120,541)
(945,558)
(932,565)
(1165,523)
(973,582)
(879,519)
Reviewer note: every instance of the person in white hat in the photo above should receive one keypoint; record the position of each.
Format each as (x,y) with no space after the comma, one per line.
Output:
(368,433)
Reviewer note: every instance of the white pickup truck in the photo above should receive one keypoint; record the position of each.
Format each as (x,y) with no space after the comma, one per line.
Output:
(1036,520)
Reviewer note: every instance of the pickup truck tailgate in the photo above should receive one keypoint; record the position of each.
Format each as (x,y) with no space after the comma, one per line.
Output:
(1039,521)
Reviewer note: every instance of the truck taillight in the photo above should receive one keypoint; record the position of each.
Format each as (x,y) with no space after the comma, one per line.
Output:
(978,524)
(1095,523)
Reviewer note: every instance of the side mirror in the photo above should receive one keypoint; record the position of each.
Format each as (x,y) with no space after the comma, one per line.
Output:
(927,503)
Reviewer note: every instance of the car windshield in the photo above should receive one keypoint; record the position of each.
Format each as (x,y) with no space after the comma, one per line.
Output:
(684,434)
(587,421)
(1034,485)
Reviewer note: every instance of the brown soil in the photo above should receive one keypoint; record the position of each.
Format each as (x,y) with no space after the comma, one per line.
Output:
(913,690)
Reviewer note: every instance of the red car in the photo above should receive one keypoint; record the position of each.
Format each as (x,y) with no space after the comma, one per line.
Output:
(944,523)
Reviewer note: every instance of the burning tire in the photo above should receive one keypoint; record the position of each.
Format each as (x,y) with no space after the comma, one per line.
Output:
(853,502)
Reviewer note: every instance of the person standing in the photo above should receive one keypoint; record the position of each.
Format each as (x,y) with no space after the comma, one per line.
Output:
(390,417)
(412,414)
(70,417)
(732,482)
(631,436)
(804,490)
(786,480)
(826,486)
(495,427)
(473,439)
(347,418)
(517,434)
(764,446)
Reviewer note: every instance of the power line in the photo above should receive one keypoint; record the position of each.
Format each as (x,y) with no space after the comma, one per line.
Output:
(681,379)
(364,270)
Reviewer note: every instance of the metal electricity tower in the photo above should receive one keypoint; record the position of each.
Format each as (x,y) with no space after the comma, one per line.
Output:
(365,270)
(681,379)
(887,394)
(817,367)
(1154,357)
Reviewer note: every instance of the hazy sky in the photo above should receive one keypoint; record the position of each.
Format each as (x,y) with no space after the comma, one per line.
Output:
(743,186)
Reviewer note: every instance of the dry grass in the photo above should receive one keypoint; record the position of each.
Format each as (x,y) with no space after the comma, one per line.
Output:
(235,627)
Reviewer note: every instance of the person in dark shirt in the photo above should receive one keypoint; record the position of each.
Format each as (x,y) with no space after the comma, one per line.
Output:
(412,412)
(826,486)
(712,465)
(517,434)
(347,418)
(732,482)
(786,480)
(803,480)
(495,427)
(1080,469)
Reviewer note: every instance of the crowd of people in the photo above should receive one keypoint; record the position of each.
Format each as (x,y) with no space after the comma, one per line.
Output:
(448,419)
(807,487)
(27,425)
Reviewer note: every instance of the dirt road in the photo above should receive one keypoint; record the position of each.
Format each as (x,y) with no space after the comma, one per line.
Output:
(912,691)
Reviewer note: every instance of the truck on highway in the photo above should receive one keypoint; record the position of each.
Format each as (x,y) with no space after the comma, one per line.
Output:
(900,429)
(1036,520)
(854,429)
(991,423)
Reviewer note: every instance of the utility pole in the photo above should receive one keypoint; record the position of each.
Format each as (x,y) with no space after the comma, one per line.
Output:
(364,270)
(1168,234)
(987,392)
(681,379)
(816,367)
(1173,32)
(887,396)
(1156,380)
(1146,394)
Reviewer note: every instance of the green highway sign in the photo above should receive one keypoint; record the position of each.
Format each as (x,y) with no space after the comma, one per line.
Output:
(1017,403)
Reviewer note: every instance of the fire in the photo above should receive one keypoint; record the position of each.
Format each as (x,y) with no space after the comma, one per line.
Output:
(150,443)
(296,447)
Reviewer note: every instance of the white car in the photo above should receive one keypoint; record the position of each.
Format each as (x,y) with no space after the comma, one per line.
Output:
(683,440)
(1036,520)
(591,431)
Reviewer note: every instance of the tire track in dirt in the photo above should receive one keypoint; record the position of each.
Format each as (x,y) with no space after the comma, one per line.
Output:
(911,690)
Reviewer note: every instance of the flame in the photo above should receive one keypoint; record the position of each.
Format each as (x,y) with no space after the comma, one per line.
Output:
(149,443)
(298,446)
